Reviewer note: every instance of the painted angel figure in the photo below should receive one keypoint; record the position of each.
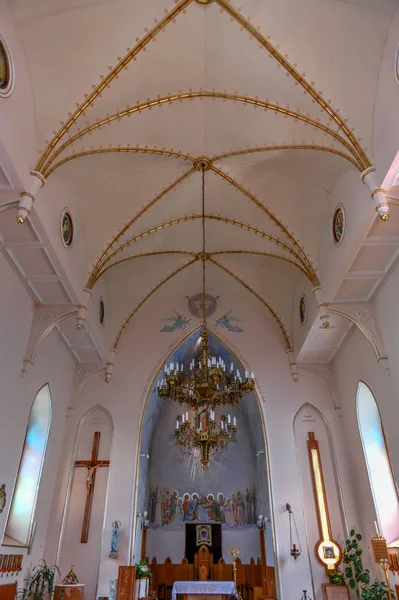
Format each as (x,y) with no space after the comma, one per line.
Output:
(226,321)
(179,322)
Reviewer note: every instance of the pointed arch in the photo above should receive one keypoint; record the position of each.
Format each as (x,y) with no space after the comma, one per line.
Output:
(381,477)
(19,525)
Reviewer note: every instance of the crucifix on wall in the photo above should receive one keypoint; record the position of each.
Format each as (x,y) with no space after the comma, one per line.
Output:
(91,466)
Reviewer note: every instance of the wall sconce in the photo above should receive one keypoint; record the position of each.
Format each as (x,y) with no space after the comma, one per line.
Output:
(261,522)
(145,522)
(295,548)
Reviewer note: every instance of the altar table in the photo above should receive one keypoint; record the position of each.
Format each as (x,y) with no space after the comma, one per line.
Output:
(198,590)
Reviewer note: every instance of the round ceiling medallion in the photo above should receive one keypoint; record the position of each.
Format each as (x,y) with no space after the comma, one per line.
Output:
(6,69)
(338,225)
(204,1)
(101,311)
(202,163)
(67,228)
(303,309)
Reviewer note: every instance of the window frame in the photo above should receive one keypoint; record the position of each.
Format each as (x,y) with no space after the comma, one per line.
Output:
(7,539)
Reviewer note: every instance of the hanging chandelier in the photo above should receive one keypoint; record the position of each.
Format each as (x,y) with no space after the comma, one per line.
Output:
(208,382)
(204,434)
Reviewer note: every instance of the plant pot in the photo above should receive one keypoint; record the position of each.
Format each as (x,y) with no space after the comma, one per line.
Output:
(142,588)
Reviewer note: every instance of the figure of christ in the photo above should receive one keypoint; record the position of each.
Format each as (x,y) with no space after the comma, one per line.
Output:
(89,478)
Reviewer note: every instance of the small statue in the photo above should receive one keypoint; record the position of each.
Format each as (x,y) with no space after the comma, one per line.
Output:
(115,535)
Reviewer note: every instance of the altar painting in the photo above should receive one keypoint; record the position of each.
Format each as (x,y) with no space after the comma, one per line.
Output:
(169,508)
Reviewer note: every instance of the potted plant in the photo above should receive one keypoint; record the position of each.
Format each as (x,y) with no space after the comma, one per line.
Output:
(143,578)
(40,583)
(356,576)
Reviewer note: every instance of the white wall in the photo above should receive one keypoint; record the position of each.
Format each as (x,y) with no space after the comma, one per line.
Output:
(135,366)
(356,361)
(16,397)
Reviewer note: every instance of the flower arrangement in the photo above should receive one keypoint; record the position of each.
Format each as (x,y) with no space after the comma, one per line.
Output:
(143,570)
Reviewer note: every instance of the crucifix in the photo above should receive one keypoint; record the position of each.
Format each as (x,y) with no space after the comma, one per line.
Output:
(91,466)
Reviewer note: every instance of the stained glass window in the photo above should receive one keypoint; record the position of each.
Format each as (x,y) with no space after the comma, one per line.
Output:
(23,502)
(382,482)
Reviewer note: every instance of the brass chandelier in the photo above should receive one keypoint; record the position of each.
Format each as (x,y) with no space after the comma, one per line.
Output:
(207,383)
(204,434)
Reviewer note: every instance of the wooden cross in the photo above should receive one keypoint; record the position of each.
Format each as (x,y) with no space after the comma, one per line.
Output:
(91,466)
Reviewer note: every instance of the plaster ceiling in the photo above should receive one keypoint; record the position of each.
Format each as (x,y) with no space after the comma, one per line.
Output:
(279,96)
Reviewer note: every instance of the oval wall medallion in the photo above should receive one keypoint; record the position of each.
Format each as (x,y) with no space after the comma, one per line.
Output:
(396,66)
(303,309)
(67,228)
(338,225)
(101,311)
(6,69)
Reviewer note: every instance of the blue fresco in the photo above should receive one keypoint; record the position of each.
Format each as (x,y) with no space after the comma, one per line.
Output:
(227,321)
(178,322)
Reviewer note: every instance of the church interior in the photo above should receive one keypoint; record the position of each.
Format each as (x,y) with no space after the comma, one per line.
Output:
(199,282)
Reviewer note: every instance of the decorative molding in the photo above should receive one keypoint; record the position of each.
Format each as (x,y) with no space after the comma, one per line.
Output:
(45,318)
(140,304)
(104,258)
(298,77)
(107,80)
(83,372)
(304,260)
(192,95)
(184,219)
(265,304)
(371,330)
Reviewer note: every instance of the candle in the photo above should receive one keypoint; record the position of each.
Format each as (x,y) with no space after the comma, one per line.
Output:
(200,427)
(294,547)
(186,415)
(183,418)
(246,374)
(376,527)
(228,419)
(177,423)
(235,422)
(231,367)
(252,375)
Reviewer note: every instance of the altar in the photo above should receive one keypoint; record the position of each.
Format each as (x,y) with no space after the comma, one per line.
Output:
(199,590)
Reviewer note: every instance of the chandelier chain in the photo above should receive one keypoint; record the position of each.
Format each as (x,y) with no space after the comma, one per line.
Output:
(203,250)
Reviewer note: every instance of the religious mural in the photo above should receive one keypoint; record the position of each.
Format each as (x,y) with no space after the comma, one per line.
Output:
(196,307)
(168,508)
(227,321)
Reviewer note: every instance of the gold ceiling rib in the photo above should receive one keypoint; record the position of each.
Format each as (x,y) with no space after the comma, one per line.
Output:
(191,95)
(146,254)
(278,147)
(223,268)
(183,156)
(140,304)
(97,273)
(122,64)
(258,253)
(122,149)
(104,256)
(304,259)
(247,287)
(300,79)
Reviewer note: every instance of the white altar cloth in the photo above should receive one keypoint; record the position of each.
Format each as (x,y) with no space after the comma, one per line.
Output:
(203,587)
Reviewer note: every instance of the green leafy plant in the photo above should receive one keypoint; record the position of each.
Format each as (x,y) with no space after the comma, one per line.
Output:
(355,575)
(40,584)
(143,570)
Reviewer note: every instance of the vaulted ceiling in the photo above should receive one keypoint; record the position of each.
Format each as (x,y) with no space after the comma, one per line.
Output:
(278,96)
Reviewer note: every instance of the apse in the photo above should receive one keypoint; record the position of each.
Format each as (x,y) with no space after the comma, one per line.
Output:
(176,492)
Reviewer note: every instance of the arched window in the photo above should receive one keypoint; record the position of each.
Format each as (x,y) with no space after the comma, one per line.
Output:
(22,509)
(382,482)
